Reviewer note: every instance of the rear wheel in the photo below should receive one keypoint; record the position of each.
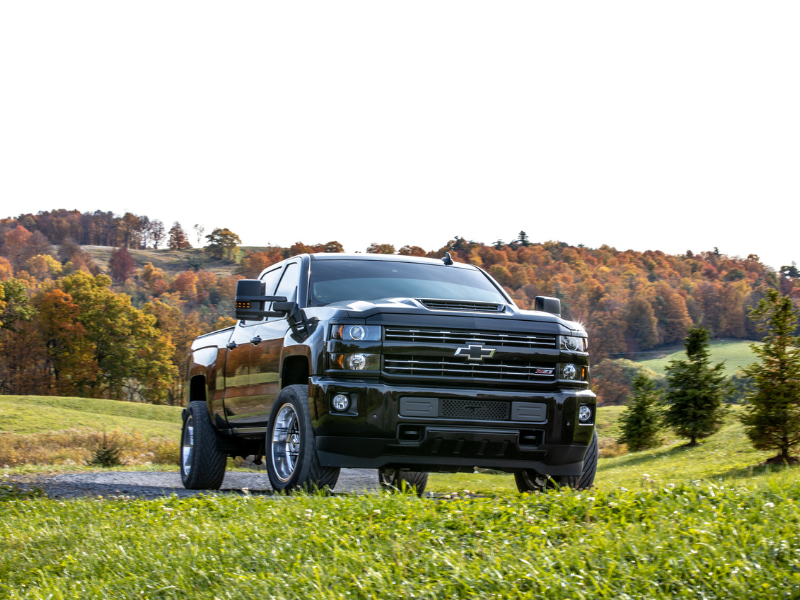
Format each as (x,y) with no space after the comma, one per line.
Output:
(395,480)
(202,462)
(292,460)
(531,481)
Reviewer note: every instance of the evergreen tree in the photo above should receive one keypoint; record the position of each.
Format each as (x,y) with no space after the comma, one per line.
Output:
(640,421)
(695,399)
(522,238)
(772,420)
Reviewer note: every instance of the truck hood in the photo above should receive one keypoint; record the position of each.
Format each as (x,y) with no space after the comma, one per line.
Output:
(409,311)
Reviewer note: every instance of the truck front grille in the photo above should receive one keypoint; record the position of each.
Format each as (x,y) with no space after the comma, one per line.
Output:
(435,366)
(456,337)
(484,410)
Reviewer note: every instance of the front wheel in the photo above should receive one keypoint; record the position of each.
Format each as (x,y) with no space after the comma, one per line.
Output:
(292,460)
(531,481)
(395,480)
(202,462)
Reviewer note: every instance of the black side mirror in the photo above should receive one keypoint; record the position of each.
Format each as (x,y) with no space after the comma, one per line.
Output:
(250,301)
(547,304)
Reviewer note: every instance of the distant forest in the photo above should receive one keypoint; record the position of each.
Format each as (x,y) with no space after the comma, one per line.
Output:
(629,301)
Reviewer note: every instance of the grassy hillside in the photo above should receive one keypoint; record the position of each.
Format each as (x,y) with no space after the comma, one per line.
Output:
(735,353)
(171,261)
(39,414)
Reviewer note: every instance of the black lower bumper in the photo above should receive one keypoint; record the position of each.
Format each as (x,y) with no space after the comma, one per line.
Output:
(374,434)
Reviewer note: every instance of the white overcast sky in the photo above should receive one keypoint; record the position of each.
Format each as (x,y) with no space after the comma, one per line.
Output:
(644,125)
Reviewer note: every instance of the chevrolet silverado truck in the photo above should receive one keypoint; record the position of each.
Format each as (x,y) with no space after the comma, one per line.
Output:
(400,364)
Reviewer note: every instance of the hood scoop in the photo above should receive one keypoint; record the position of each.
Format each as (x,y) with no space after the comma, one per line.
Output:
(464,305)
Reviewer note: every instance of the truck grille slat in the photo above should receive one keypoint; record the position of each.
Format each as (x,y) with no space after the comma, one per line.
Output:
(489,369)
(436,336)
(435,304)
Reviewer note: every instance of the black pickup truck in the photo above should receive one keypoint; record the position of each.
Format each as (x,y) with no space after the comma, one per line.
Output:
(404,365)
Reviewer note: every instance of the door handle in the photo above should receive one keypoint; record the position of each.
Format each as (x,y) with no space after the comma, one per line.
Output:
(232,345)
(255,340)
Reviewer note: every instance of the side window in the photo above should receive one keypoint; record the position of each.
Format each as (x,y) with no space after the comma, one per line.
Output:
(270,279)
(288,285)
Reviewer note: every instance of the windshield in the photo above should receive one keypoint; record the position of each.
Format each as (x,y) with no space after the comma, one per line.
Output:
(343,280)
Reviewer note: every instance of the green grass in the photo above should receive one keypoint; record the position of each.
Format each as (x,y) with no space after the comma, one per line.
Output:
(735,353)
(37,414)
(736,540)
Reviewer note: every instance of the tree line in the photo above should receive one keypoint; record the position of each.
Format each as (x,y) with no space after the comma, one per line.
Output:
(629,301)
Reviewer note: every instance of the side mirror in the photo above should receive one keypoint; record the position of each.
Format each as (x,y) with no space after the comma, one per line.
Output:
(250,301)
(548,305)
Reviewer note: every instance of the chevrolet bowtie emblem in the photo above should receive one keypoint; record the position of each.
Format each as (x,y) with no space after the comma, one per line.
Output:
(475,353)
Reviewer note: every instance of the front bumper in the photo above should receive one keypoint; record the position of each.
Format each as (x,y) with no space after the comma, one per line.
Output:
(372,433)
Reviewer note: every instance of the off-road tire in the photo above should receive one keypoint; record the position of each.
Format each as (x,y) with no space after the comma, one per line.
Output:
(530,481)
(206,462)
(307,473)
(394,480)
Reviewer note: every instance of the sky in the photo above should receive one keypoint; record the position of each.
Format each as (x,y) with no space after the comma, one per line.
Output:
(642,125)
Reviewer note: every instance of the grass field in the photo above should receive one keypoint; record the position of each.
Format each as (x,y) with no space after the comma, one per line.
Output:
(38,414)
(50,433)
(726,540)
(735,353)
(705,522)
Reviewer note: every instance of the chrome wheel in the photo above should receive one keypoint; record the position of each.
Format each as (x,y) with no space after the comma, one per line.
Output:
(187,448)
(285,442)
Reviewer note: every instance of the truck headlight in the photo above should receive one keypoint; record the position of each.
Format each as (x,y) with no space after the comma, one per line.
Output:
(569,371)
(574,343)
(356,362)
(356,333)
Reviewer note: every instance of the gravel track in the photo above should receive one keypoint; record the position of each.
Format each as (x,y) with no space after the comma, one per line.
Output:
(144,484)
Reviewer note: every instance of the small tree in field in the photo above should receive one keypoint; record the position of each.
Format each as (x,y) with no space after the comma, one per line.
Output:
(640,422)
(772,418)
(695,404)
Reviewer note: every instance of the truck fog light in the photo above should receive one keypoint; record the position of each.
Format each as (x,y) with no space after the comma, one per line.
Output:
(584,414)
(342,402)
(569,371)
(357,362)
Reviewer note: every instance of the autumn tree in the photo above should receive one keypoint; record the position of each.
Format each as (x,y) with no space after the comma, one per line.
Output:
(177,238)
(694,402)
(640,421)
(157,233)
(199,230)
(772,417)
(222,244)
(380,249)
(642,323)
(121,265)
(255,262)
(412,251)
(128,355)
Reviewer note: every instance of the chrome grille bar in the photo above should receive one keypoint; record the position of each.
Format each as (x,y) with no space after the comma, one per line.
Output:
(435,336)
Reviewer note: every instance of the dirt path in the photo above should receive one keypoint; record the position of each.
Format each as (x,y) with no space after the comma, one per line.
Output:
(143,484)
